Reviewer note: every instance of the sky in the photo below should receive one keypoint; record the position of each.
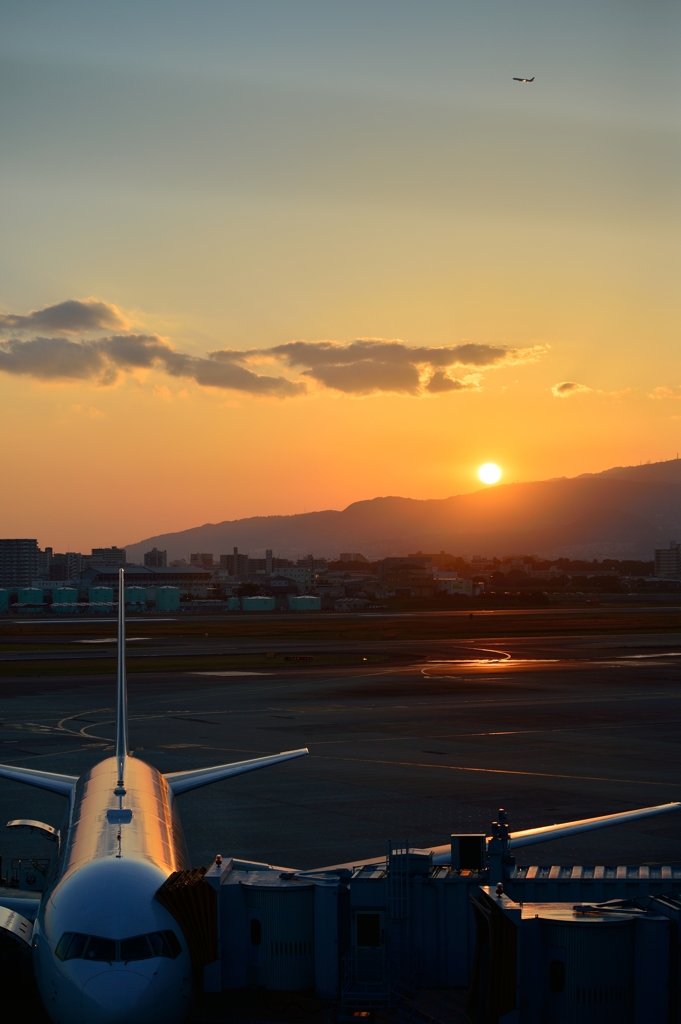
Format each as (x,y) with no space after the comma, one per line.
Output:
(273,257)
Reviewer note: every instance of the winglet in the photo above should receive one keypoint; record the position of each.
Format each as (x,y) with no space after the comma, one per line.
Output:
(121,686)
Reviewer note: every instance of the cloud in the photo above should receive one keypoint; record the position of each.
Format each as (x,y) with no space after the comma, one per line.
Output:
(441,382)
(39,346)
(371,365)
(567,388)
(75,316)
(101,361)
(659,394)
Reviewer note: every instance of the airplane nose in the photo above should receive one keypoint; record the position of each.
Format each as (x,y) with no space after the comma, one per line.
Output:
(114,997)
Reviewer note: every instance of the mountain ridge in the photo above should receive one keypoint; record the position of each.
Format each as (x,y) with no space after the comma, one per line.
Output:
(622,512)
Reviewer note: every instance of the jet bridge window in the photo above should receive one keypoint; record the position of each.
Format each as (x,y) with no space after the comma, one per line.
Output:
(75,946)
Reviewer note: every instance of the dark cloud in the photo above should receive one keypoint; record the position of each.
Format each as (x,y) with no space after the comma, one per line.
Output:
(371,365)
(313,354)
(567,388)
(367,376)
(75,316)
(103,359)
(51,359)
(362,367)
(440,382)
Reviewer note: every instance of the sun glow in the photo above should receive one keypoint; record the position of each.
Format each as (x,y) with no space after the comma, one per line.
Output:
(489,473)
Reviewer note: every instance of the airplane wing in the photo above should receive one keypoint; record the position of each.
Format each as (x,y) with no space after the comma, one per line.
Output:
(530,836)
(182,782)
(63,784)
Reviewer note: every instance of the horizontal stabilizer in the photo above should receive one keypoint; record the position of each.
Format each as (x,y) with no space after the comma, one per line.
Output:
(15,926)
(54,783)
(182,782)
(572,828)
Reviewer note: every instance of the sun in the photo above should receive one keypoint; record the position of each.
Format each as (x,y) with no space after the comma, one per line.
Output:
(489,473)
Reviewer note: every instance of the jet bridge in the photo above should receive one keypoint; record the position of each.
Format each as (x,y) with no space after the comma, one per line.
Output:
(359,934)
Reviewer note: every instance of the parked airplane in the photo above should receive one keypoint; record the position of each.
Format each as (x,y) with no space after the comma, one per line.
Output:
(104,949)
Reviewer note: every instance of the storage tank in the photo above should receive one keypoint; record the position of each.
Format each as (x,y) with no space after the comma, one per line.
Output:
(304,603)
(167,599)
(281,931)
(258,604)
(100,595)
(136,595)
(30,597)
(589,968)
(65,599)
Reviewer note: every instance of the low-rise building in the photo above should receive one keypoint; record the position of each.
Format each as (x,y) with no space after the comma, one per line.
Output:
(201,560)
(108,557)
(190,580)
(300,575)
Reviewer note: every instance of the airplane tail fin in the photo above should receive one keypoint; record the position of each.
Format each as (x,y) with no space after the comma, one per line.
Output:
(121,684)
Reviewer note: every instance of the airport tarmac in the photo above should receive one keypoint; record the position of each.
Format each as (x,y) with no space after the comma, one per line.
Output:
(427,736)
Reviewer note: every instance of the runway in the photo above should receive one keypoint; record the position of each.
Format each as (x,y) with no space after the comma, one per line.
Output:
(424,738)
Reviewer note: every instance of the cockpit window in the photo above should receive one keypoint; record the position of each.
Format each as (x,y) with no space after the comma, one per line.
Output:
(100,949)
(71,946)
(75,946)
(136,948)
(165,944)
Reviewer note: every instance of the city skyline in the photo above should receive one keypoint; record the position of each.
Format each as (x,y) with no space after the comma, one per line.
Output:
(270,259)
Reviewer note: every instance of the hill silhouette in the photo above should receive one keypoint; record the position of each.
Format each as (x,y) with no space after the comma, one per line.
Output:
(624,512)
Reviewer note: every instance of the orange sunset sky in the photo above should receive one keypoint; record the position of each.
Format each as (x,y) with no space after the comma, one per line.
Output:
(277,257)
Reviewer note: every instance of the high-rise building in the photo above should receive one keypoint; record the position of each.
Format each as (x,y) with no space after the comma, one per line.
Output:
(44,562)
(108,557)
(668,561)
(235,564)
(156,559)
(66,566)
(202,559)
(18,562)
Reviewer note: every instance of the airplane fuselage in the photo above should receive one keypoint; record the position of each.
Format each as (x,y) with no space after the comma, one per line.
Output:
(105,950)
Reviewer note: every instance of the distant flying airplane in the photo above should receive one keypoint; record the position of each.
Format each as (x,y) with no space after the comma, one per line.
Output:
(528,80)
(105,950)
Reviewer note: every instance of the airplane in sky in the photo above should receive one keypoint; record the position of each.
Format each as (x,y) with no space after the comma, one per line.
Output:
(105,949)
(527,81)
